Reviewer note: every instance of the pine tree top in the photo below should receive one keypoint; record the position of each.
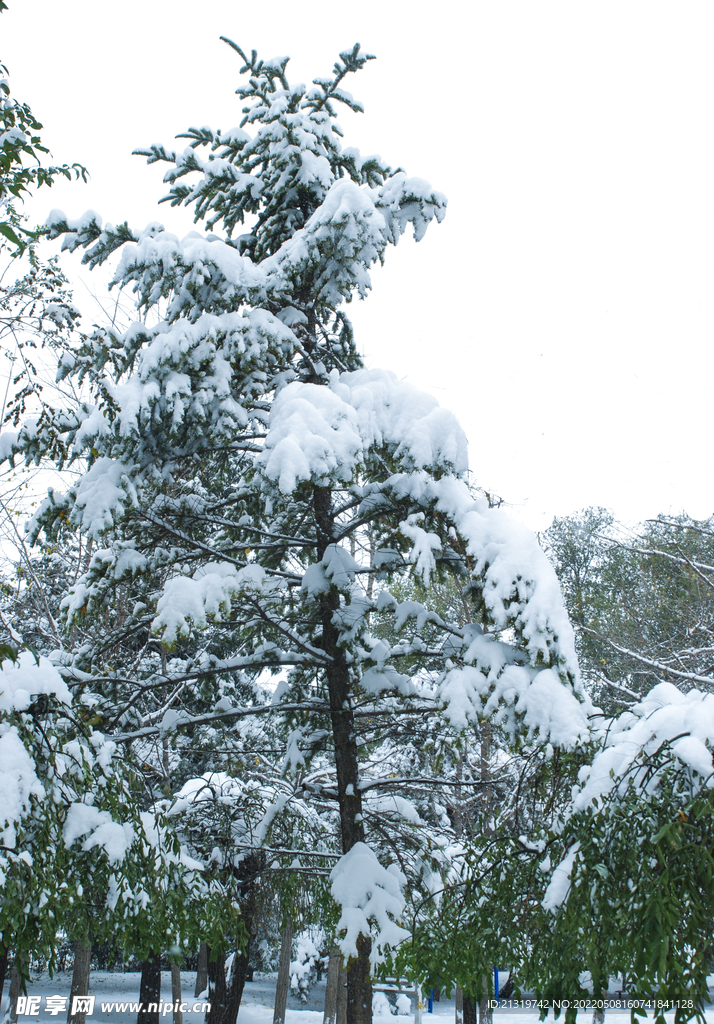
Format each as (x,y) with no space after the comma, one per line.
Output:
(281,173)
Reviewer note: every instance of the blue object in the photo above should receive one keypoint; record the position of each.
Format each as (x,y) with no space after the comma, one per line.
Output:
(495,983)
(431,1000)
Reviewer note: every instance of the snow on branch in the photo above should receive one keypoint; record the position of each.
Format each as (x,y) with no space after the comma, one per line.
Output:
(371,900)
(322,433)
(682,724)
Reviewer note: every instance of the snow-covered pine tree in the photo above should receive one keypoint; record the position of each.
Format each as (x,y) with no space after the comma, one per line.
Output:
(238,465)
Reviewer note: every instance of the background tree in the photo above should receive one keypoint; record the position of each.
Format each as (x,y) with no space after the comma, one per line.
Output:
(630,870)
(74,843)
(642,600)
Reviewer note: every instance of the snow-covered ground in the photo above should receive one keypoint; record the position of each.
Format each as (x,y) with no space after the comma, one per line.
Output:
(257,1005)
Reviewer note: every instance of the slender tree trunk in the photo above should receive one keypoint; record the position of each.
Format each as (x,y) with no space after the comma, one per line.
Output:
(359,985)
(235,985)
(150,990)
(342,997)
(598,1015)
(459,1009)
(470,1009)
(201,970)
(217,996)
(281,989)
(80,978)
(333,980)
(486,783)
(176,992)
(485,1011)
(3,971)
(15,985)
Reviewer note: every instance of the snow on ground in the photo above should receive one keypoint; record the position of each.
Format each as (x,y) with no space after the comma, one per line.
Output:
(257,1005)
(107,987)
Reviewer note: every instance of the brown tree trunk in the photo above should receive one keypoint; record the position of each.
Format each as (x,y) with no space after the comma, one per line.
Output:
(331,985)
(80,978)
(486,782)
(176,992)
(236,984)
(225,993)
(150,990)
(201,970)
(359,985)
(342,996)
(470,1009)
(15,985)
(217,996)
(281,989)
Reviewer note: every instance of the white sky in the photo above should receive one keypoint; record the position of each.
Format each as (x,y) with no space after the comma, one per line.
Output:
(564,309)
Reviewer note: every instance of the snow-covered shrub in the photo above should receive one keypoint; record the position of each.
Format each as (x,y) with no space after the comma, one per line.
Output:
(307,962)
(403,1004)
(381,1007)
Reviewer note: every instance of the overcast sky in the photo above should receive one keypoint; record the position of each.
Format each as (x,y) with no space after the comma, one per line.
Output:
(564,309)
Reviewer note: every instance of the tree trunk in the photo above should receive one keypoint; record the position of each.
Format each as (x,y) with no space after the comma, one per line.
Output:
(459,1008)
(281,989)
(176,992)
(333,980)
(201,970)
(150,990)
(216,989)
(598,1015)
(485,1010)
(80,978)
(470,1009)
(342,997)
(236,984)
(359,985)
(486,782)
(3,972)
(15,984)
(225,994)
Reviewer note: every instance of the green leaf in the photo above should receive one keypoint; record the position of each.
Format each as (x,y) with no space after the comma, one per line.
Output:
(9,652)
(6,230)
(33,652)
